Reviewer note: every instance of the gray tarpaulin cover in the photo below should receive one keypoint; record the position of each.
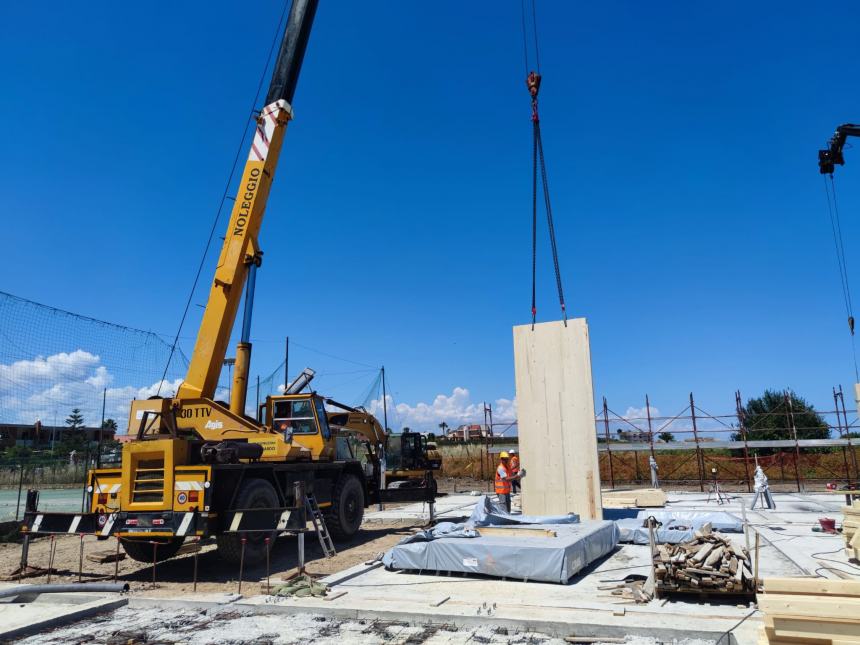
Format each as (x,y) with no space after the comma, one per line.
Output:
(488,512)
(458,547)
(677,526)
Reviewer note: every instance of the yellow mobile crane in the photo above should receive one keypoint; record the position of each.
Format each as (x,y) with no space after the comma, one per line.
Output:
(197,467)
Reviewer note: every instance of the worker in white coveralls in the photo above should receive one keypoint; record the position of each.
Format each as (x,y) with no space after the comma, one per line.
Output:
(503,480)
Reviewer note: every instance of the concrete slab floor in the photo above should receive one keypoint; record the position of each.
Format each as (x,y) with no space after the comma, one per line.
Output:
(787,530)
(378,603)
(240,627)
(47,611)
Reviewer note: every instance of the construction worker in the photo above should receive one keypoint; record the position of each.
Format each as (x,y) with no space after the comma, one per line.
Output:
(515,471)
(503,481)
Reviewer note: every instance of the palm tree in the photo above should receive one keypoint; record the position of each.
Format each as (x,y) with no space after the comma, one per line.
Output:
(444,428)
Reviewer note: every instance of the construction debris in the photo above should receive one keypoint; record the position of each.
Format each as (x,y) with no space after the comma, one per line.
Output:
(301,586)
(707,564)
(632,588)
(812,610)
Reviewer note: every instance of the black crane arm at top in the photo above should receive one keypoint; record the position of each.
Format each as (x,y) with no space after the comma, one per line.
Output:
(289,62)
(832,155)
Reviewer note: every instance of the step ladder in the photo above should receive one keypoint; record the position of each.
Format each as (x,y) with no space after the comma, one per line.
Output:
(319,526)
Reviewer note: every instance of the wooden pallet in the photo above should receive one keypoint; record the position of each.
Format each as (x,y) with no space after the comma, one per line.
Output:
(815,611)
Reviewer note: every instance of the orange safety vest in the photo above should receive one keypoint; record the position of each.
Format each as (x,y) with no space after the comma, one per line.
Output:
(503,487)
(515,465)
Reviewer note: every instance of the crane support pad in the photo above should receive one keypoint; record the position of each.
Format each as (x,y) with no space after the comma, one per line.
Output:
(265,520)
(46,523)
(162,523)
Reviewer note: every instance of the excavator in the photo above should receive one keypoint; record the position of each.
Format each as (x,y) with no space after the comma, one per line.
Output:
(201,467)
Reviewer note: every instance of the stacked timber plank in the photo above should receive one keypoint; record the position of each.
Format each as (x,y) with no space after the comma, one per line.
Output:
(707,564)
(641,497)
(816,611)
(849,529)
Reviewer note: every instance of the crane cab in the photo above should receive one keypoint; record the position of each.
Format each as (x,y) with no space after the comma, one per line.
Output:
(300,421)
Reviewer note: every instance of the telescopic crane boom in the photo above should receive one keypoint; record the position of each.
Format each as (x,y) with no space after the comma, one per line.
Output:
(832,155)
(198,467)
(240,254)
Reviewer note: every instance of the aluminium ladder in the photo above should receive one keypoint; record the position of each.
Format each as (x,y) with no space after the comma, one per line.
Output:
(319,526)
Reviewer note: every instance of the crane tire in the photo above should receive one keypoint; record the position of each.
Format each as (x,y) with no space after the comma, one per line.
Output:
(142,550)
(343,517)
(253,493)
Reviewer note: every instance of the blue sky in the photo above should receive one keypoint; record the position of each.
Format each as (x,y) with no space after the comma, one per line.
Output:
(681,143)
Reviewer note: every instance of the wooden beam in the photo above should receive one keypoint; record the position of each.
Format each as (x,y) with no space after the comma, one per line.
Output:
(812,586)
(501,531)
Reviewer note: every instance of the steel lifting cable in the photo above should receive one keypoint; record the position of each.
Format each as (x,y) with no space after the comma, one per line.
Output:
(839,244)
(533,80)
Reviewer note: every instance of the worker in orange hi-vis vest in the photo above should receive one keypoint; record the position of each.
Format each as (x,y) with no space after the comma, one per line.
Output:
(515,471)
(503,481)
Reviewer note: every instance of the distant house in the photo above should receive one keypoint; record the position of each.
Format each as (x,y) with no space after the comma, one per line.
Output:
(633,436)
(37,435)
(470,432)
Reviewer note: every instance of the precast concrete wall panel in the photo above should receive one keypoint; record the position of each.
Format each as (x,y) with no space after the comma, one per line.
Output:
(555,409)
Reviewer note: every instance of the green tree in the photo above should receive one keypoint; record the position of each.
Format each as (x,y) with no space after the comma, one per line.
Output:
(109,424)
(666,437)
(75,420)
(14,455)
(431,436)
(769,417)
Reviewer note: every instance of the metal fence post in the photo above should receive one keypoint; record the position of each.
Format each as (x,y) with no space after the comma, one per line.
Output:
(848,436)
(790,410)
(842,436)
(742,426)
(608,438)
(20,486)
(700,460)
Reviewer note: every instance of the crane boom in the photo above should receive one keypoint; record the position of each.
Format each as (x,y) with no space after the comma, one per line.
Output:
(832,155)
(240,253)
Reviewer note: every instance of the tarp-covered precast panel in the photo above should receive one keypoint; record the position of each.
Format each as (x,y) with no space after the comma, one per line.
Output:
(526,557)
(675,526)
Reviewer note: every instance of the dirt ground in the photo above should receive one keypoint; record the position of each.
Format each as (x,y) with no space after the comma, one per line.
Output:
(176,575)
(214,575)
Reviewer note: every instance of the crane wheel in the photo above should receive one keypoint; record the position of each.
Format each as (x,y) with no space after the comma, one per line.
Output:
(254,493)
(343,517)
(142,551)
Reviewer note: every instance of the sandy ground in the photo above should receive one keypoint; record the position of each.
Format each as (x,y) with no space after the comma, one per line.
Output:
(214,575)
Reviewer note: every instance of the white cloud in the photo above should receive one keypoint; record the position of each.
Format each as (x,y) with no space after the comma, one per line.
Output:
(74,366)
(635,415)
(454,409)
(48,388)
